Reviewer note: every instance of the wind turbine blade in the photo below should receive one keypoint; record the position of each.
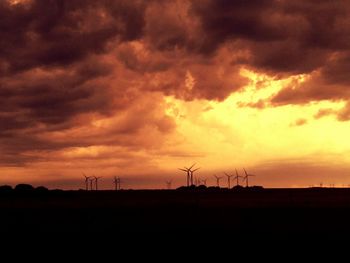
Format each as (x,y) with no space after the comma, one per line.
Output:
(192,166)
(182,170)
(196,169)
(245,172)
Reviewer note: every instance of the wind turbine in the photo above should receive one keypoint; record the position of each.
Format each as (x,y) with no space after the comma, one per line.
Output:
(189,173)
(237,177)
(86,182)
(217,180)
(117,183)
(246,177)
(96,181)
(91,182)
(201,181)
(168,184)
(228,179)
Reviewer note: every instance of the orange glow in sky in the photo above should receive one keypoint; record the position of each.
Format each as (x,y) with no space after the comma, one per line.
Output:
(138,89)
(218,136)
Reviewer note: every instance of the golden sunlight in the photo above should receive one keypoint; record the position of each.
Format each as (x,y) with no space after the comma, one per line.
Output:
(231,134)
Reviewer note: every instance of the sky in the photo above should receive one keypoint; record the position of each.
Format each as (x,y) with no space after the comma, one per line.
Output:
(138,89)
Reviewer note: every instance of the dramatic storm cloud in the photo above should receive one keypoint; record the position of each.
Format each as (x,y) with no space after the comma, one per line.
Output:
(102,81)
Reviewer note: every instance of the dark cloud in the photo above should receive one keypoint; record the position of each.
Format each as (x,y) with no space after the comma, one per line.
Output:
(54,68)
(224,20)
(65,65)
(60,32)
(284,38)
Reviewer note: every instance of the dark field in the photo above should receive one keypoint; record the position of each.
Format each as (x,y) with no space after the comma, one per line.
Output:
(280,213)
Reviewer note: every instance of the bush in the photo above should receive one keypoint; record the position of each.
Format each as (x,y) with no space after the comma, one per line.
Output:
(24,187)
(41,189)
(5,188)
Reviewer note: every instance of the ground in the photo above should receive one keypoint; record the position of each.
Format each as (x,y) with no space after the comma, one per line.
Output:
(278,213)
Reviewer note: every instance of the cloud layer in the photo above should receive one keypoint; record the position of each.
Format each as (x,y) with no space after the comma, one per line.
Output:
(84,73)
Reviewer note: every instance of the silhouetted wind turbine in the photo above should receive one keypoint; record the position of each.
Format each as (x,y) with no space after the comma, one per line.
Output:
(191,172)
(217,180)
(91,182)
(188,175)
(188,172)
(246,177)
(228,179)
(168,184)
(195,181)
(199,181)
(237,178)
(86,182)
(96,182)
(117,183)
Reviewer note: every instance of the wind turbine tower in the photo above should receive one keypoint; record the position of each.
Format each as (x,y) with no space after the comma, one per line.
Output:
(96,182)
(117,183)
(237,178)
(168,184)
(86,182)
(228,180)
(246,177)
(91,182)
(218,178)
(189,171)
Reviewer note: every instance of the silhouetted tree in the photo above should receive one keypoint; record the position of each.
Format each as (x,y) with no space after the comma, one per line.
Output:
(238,188)
(24,187)
(256,188)
(5,188)
(41,189)
(201,187)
